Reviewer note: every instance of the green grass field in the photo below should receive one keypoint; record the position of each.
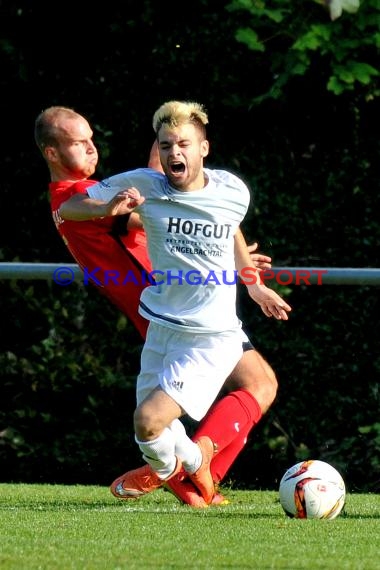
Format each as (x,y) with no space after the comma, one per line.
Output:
(57,527)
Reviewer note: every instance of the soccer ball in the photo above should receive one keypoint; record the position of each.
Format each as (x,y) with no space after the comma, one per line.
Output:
(312,490)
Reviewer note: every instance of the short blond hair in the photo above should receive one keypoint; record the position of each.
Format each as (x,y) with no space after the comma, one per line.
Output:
(174,113)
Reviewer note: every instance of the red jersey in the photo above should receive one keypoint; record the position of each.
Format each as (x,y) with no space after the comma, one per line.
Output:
(118,262)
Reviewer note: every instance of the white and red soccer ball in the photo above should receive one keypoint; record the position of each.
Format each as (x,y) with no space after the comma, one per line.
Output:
(312,490)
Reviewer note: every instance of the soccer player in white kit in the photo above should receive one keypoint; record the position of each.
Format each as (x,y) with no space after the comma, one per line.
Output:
(191,216)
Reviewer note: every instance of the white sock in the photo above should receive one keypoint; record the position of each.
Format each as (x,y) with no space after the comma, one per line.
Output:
(160,453)
(188,451)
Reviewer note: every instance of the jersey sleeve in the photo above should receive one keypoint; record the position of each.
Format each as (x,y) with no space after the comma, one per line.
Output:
(232,181)
(142,178)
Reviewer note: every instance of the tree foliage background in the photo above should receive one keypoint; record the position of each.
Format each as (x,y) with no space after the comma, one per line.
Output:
(293,101)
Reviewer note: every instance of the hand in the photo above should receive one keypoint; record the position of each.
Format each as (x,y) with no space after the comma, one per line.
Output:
(259,260)
(124,202)
(270,302)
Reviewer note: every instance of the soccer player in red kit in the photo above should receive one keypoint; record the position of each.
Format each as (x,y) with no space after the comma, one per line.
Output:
(106,252)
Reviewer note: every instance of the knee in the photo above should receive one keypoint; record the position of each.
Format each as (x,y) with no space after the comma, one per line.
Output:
(269,393)
(266,385)
(146,425)
(264,389)
(256,376)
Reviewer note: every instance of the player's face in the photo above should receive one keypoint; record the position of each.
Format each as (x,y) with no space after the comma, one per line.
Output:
(182,151)
(75,150)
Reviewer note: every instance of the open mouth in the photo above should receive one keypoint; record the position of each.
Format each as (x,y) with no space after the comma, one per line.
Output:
(177,167)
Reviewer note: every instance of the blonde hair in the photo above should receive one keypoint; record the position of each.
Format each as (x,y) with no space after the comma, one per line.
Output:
(174,113)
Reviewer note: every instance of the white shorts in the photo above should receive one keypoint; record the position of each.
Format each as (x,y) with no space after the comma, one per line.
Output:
(190,368)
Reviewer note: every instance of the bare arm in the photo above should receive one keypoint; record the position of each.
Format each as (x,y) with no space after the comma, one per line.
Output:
(80,207)
(270,302)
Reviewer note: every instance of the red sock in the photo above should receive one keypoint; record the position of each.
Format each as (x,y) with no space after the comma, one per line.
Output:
(223,460)
(228,424)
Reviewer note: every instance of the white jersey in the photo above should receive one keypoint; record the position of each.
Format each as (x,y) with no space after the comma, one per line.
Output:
(191,246)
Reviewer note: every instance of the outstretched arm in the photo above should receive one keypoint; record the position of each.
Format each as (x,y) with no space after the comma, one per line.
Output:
(80,207)
(270,302)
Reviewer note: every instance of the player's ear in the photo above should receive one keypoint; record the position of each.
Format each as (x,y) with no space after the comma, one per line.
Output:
(205,147)
(50,153)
